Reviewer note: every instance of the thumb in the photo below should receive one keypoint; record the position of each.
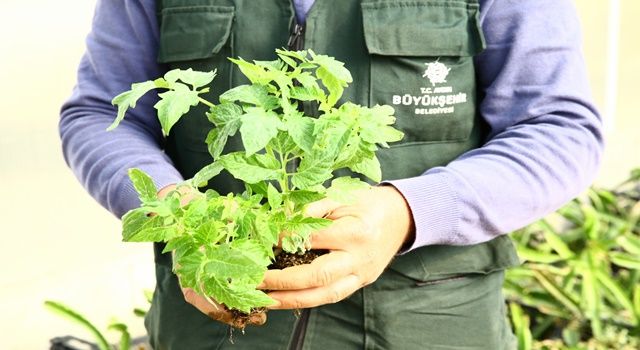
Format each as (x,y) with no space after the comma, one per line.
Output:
(321,208)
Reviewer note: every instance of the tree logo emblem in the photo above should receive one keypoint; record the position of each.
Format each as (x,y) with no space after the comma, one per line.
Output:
(436,72)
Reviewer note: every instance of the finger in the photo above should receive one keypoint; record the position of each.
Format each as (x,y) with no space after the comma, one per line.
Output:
(313,297)
(322,271)
(344,232)
(321,208)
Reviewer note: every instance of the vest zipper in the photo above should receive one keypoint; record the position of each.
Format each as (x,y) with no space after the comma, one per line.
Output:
(296,38)
(296,43)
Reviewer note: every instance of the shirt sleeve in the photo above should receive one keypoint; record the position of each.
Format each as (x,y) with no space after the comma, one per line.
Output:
(120,49)
(545,137)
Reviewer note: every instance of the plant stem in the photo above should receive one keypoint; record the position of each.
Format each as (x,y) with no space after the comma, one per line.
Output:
(203,101)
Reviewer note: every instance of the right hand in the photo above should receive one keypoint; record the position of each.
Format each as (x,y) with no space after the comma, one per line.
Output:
(210,307)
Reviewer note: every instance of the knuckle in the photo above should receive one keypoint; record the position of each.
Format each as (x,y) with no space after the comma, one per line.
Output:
(321,277)
(298,304)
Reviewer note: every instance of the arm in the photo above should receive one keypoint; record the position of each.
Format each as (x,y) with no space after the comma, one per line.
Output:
(543,149)
(545,141)
(121,49)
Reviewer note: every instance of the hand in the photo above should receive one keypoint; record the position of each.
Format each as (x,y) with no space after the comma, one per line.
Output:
(209,306)
(363,239)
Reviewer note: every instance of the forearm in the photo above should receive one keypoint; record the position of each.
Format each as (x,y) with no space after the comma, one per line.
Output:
(120,50)
(545,141)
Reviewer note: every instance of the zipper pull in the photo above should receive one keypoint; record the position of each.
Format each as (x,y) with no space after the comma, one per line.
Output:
(296,38)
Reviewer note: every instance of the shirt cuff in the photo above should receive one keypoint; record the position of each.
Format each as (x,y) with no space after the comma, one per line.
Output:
(434,207)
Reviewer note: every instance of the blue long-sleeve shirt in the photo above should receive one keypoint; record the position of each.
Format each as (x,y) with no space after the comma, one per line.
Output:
(543,148)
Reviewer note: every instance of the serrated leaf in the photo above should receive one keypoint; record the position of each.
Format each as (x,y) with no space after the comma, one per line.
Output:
(226,114)
(257,95)
(205,174)
(302,93)
(274,197)
(258,128)
(314,169)
(342,189)
(188,267)
(240,298)
(301,130)
(300,55)
(255,73)
(303,197)
(308,81)
(226,262)
(144,185)
(369,167)
(253,251)
(216,140)
(138,227)
(299,229)
(333,76)
(286,59)
(251,169)
(128,99)
(174,104)
(194,78)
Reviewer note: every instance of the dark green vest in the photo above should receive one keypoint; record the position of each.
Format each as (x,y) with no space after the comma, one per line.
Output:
(416,56)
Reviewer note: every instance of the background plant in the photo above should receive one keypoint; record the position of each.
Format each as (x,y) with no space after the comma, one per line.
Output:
(222,245)
(578,287)
(98,336)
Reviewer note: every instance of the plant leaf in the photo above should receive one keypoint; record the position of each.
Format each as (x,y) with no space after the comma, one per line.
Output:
(257,95)
(342,189)
(129,98)
(144,185)
(258,128)
(301,130)
(369,167)
(205,174)
(194,78)
(137,226)
(125,336)
(74,316)
(251,169)
(274,197)
(174,104)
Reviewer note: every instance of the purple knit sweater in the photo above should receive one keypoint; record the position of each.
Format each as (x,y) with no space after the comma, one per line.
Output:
(545,136)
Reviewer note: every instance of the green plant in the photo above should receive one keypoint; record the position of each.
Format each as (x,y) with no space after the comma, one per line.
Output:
(222,245)
(580,278)
(99,337)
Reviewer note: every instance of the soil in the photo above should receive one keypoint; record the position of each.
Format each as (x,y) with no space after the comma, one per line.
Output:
(283,260)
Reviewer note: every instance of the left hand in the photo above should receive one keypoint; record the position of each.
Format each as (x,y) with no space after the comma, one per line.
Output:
(362,240)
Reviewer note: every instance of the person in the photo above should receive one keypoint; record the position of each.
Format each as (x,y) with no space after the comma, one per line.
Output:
(499,130)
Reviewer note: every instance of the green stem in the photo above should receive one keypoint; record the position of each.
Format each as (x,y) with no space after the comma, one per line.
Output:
(203,101)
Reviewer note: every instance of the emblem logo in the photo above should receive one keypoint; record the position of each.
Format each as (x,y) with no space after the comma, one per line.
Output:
(436,72)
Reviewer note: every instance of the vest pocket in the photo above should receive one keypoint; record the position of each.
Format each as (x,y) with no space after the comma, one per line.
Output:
(193,32)
(422,64)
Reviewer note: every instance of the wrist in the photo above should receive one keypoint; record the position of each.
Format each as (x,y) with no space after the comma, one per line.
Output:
(402,217)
